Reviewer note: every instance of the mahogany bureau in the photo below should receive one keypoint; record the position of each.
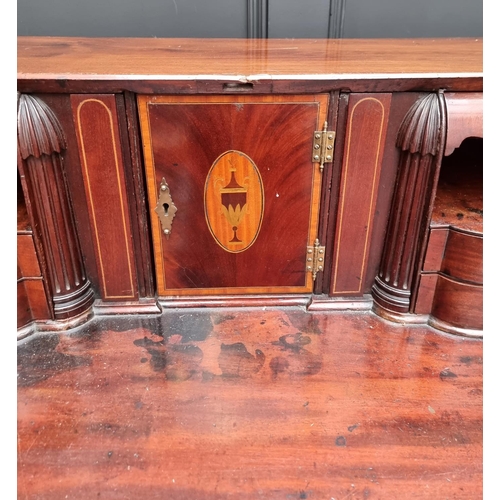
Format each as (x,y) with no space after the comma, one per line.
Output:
(331,174)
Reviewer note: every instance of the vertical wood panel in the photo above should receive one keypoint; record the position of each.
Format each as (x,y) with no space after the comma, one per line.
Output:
(366,129)
(26,256)
(435,249)
(24,315)
(134,164)
(102,164)
(425,294)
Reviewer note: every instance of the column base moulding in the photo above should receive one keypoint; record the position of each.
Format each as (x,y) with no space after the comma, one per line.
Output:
(327,303)
(51,326)
(400,317)
(390,299)
(425,319)
(142,306)
(454,330)
(197,301)
(75,303)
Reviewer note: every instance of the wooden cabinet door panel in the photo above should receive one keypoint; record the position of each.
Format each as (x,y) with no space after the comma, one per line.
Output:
(240,173)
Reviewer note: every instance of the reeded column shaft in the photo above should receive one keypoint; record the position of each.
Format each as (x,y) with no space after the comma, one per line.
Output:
(420,139)
(41,143)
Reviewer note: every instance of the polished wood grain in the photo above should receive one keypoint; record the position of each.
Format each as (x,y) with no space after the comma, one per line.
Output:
(425,294)
(247,404)
(26,256)
(185,138)
(24,312)
(465,118)
(71,64)
(368,116)
(99,143)
(463,257)
(457,306)
(37,299)
(436,246)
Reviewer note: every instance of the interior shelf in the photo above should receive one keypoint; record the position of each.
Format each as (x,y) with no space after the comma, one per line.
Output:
(459,197)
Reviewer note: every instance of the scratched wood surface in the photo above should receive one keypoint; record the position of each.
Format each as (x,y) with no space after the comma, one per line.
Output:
(58,64)
(166,56)
(274,404)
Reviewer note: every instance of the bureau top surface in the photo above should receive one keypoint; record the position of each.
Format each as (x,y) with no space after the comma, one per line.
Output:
(183,58)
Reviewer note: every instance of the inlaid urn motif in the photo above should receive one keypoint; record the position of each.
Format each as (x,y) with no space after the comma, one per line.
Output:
(234,201)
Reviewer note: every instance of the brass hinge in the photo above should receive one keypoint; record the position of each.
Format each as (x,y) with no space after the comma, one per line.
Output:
(323,146)
(315,259)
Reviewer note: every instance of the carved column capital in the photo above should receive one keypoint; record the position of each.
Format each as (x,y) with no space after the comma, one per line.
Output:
(38,129)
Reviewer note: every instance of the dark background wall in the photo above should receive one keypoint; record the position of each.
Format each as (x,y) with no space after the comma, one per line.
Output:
(252,18)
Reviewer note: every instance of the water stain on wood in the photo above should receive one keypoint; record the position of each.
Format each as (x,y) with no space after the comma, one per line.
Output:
(250,434)
(38,360)
(192,326)
(295,360)
(306,323)
(179,361)
(221,318)
(236,361)
(468,360)
(340,441)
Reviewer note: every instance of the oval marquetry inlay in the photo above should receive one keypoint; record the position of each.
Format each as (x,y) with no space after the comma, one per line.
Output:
(234,201)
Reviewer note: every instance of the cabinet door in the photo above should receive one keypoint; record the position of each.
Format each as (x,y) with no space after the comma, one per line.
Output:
(232,180)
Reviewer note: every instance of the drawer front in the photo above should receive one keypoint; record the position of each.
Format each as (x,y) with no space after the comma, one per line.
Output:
(463,257)
(26,257)
(31,302)
(458,304)
(240,191)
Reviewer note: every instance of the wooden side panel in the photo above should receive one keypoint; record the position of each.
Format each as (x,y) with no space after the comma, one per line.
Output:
(425,295)
(366,129)
(37,299)
(24,315)
(465,118)
(31,300)
(26,256)
(435,249)
(96,126)
(458,304)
